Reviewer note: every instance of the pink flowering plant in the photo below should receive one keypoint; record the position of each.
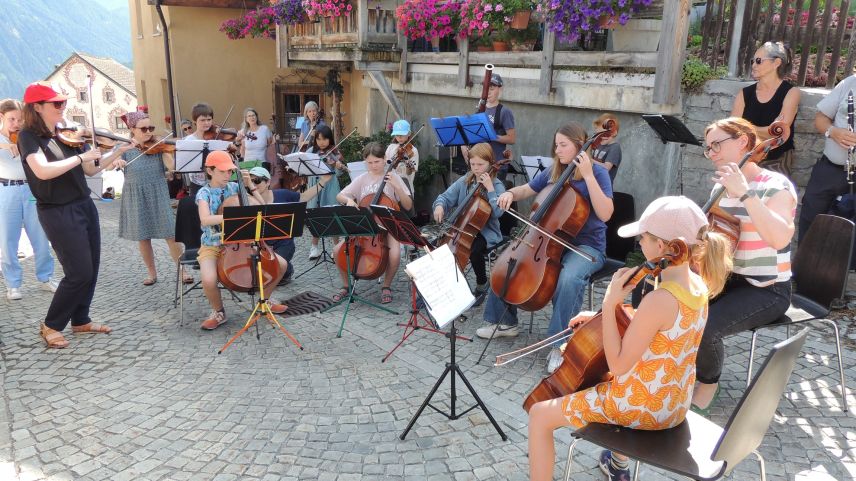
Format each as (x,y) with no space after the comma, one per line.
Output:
(571,19)
(262,22)
(327,8)
(480,17)
(428,19)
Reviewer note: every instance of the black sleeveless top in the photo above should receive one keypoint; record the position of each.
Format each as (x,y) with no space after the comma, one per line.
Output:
(764,114)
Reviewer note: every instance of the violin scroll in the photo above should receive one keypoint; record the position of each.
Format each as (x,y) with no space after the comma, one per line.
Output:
(779,132)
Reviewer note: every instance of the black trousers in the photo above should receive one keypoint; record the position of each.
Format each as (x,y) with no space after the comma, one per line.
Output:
(75,235)
(827,182)
(477,251)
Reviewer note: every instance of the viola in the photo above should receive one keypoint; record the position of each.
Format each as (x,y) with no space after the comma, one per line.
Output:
(235,266)
(216,132)
(584,360)
(527,272)
(723,222)
(465,222)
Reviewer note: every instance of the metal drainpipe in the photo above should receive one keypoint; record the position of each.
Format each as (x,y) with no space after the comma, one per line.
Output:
(737,33)
(173,126)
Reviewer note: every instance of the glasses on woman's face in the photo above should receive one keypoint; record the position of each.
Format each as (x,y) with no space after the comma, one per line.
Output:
(257,180)
(715,146)
(148,129)
(760,60)
(187,128)
(58,104)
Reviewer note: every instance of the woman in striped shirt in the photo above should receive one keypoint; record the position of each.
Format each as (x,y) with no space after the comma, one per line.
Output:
(759,290)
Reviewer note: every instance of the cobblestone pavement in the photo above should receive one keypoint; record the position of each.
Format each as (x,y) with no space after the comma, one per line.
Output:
(154,401)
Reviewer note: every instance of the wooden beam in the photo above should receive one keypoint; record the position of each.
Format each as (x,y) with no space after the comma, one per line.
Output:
(362,22)
(386,92)
(533,59)
(673,42)
(282,46)
(463,62)
(547,58)
(249,4)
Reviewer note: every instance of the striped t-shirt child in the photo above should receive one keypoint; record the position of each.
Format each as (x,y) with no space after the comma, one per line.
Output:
(760,263)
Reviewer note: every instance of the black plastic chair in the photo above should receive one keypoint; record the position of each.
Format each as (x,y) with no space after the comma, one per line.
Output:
(820,276)
(617,247)
(698,448)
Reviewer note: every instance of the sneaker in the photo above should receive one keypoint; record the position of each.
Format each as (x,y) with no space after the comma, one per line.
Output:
(612,473)
(215,320)
(492,330)
(554,360)
(314,253)
(49,285)
(481,289)
(14,294)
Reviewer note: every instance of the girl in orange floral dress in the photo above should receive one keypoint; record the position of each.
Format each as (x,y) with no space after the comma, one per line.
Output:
(654,363)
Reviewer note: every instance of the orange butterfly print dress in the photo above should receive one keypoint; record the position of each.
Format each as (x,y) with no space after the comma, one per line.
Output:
(656,392)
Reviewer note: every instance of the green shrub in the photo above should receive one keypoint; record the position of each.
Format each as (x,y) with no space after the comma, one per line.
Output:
(696,72)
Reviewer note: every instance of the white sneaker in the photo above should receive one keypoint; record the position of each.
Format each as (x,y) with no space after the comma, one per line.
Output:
(492,330)
(554,360)
(49,285)
(14,294)
(314,253)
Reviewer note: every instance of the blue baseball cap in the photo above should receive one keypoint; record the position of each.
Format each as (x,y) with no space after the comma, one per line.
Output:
(401,127)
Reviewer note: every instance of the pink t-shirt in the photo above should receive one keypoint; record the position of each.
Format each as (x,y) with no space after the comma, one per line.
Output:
(367,184)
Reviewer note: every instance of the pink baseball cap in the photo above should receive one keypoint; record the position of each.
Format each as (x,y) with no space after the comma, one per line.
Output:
(669,218)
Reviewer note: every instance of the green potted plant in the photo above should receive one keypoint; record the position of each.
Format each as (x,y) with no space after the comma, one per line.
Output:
(524,40)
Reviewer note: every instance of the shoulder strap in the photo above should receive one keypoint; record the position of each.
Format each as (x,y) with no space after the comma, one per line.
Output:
(497,125)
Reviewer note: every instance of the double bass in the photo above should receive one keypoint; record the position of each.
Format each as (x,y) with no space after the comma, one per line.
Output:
(527,272)
(723,222)
(467,220)
(235,266)
(584,360)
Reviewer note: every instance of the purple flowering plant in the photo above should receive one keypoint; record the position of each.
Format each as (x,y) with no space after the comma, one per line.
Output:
(262,22)
(571,19)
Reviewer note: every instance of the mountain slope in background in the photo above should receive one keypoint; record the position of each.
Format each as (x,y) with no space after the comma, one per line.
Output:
(41,34)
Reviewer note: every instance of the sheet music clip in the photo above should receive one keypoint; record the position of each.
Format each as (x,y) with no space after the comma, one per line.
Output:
(670,129)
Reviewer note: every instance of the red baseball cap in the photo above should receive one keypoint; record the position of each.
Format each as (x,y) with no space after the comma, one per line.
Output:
(41,92)
(220,159)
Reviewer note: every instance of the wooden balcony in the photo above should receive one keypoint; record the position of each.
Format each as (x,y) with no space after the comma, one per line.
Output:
(367,38)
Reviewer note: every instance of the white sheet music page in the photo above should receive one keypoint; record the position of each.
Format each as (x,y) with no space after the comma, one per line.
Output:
(442,285)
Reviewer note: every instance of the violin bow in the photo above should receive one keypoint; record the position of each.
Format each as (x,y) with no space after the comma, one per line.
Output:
(170,134)
(89,81)
(228,114)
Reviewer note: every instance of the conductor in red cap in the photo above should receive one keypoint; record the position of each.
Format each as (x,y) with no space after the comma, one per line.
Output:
(56,174)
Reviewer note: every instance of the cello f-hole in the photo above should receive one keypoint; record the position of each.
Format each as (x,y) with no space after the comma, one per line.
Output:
(538,250)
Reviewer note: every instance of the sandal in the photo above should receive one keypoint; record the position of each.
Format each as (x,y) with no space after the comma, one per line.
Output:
(54,339)
(385,295)
(343,293)
(91,328)
(706,410)
(149,281)
(185,277)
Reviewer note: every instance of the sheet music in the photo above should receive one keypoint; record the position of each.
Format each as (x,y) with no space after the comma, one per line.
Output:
(530,163)
(441,284)
(188,153)
(307,163)
(356,169)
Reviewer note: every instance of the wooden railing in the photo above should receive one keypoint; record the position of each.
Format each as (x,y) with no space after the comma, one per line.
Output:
(805,30)
(367,26)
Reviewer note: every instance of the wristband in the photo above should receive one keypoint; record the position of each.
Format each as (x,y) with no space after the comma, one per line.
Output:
(79,158)
(749,193)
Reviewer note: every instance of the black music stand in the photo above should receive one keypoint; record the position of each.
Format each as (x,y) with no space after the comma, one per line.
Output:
(347,222)
(670,129)
(405,231)
(255,224)
(462,130)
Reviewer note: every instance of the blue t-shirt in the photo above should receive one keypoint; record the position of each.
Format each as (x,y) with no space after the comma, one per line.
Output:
(593,233)
(214,196)
(283,196)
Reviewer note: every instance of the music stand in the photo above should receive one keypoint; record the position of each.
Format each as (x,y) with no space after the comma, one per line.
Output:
(190,154)
(405,231)
(307,164)
(534,164)
(254,224)
(347,222)
(670,129)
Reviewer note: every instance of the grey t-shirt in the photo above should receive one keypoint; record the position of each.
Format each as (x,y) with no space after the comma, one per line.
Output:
(834,106)
(609,153)
(506,122)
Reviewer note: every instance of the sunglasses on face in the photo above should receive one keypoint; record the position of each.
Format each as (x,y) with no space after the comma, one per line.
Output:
(187,129)
(715,146)
(257,180)
(58,104)
(149,129)
(760,60)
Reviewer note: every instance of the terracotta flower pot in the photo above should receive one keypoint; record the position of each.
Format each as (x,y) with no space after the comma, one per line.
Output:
(500,46)
(482,48)
(520,20)
(608,21)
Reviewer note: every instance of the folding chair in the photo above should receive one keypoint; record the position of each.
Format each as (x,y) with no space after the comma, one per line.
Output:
(698,448)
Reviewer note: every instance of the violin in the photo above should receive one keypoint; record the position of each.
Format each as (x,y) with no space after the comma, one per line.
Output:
(723,222)
(584,360)
(76,137)
(235,266)
(527,272)
(157,145)
(13,137)
(465,222)
(216,132)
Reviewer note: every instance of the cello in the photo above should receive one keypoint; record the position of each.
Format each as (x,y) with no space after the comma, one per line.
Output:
(527,272)
(235,266)
(467,220)
(584,360)
(723,222)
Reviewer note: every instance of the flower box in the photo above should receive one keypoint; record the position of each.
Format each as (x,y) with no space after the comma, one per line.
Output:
(638,35)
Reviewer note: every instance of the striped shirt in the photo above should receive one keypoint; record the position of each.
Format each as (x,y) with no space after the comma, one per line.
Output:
(755,259)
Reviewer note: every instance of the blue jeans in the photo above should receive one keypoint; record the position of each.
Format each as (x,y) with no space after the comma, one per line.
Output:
(17,211)
(567,300)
